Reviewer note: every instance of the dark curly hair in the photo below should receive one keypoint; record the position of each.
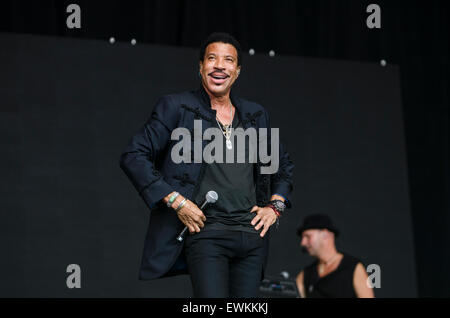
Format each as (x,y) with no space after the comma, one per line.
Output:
(224,38)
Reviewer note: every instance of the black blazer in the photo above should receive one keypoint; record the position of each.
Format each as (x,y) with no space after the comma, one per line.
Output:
(147,162)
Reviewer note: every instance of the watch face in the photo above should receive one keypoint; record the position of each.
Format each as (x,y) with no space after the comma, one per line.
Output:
(279,205)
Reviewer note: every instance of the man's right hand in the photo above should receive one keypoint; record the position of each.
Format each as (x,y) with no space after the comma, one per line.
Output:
(189,214)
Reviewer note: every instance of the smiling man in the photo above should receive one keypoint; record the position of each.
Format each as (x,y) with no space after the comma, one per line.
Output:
(226,249)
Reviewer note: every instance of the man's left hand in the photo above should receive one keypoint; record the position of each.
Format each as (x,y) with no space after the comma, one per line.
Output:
(265,217)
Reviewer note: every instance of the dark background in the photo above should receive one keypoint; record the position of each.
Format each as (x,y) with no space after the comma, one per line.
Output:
(414,36)
(70,107)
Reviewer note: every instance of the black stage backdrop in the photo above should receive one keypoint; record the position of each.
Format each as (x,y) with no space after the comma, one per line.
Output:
(414,36)
(70,107)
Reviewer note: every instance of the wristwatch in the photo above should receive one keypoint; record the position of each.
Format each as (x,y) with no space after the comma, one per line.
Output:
(279,205)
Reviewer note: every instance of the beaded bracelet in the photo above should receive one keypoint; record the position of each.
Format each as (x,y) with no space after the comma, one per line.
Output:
(275,210)
(172,198)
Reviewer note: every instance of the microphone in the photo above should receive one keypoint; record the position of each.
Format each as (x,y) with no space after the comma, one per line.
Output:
(210,197)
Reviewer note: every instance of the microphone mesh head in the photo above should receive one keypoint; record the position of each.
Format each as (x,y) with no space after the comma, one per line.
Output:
(212,196)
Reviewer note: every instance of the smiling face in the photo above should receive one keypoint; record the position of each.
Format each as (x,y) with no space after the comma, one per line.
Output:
(219,68)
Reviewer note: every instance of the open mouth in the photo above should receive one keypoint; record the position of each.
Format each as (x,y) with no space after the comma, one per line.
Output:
(218,77)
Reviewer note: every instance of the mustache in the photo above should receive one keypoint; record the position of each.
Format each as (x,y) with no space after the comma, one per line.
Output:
(218,72)
(304,250)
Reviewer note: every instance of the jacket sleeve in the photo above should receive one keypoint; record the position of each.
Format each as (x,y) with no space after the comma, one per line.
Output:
(138,158)
(281,182)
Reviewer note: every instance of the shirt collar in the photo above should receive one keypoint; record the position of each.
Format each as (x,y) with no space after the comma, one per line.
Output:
(206,101)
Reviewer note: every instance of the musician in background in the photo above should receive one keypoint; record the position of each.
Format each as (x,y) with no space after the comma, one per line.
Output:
(334,274)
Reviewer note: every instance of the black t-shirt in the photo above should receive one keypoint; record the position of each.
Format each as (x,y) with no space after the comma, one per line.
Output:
(235,186)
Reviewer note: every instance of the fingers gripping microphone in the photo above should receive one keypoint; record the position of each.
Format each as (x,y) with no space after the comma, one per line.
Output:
(210,198)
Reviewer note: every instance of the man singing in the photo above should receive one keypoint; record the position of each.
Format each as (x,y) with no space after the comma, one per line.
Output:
(226,249)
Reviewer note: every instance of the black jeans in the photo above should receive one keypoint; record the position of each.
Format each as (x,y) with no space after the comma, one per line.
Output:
(225,263)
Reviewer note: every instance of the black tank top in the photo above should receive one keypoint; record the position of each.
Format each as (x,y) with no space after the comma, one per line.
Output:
(337,284)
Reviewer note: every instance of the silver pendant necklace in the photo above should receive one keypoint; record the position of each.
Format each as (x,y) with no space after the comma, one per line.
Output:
(227,131)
